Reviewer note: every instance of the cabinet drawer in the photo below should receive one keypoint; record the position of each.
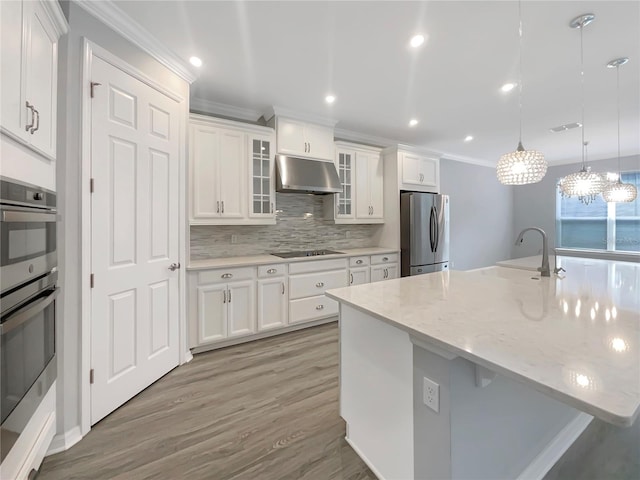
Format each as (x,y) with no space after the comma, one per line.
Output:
(384,258)
(267,271)
(311,284)
(312,308)
(358,261)
(225,275)
(317,265)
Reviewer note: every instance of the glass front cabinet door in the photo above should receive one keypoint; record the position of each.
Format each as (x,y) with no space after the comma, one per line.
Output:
(262,201)
(344,199)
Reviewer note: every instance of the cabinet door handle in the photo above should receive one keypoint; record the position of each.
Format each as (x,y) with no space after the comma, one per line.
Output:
(386,273)
(358,262)
(222,206)
(218,206)
(309,147)
(272,270)
(226,275)
(351,278)
(34,129)
(30,125)
(229,291)
(271,207)
(224,296)
(283,288)
(320,307)
(320,284)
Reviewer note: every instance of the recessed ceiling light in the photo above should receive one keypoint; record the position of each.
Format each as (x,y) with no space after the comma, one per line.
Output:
(195,61)
(468,138)
(507,87)
(413,122)
(330,98)
(416,41)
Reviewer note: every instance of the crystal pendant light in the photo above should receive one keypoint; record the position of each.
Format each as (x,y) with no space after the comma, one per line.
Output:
(585,184)
(521,166)
(618,192)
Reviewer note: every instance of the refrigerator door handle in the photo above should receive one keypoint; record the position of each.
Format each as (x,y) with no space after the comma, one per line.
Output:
(437,229)
(431,230)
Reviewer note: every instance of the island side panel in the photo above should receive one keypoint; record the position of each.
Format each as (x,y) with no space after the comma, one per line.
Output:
(497,431)
(376,392)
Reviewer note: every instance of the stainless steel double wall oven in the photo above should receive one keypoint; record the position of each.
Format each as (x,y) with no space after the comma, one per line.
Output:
(28,277)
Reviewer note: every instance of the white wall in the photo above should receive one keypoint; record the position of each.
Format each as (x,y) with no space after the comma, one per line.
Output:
(535,205)
(481,214)
(81,24)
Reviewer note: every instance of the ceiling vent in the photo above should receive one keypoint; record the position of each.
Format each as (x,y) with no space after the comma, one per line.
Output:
(566,126)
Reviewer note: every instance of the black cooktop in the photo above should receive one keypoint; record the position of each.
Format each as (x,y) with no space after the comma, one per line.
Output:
(306,253)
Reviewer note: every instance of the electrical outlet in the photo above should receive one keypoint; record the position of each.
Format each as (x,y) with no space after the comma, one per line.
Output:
(234,239)
(431,394)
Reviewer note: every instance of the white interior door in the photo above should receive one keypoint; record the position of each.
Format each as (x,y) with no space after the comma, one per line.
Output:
(134,229)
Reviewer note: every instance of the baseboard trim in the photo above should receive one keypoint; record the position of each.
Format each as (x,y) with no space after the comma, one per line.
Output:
(364,458)
(557,447)
(64,441)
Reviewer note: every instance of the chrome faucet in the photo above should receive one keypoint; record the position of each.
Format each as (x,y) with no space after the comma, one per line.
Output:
(556,269)
(544,269)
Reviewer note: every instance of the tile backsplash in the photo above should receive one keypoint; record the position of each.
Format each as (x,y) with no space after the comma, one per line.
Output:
(300,226)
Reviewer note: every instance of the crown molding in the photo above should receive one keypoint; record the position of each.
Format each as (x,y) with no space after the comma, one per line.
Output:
(197,118)
(473,161)
(363,138)
(302,116)
(115,18)
(56,16)
(224,110)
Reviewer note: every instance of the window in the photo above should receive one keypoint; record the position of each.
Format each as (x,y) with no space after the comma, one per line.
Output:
(599,226)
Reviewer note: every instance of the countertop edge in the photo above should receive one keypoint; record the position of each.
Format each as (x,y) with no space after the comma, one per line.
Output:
(616,419)
(266,259)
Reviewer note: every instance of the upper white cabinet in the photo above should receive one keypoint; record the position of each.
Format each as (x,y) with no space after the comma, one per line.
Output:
(360,170)
(231,173)
(303,139)
(29,71)
(413,169)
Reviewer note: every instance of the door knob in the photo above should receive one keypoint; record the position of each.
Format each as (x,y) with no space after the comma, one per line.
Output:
(174,266)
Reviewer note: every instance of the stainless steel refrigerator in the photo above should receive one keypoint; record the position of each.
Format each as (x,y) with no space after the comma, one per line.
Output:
(424,233)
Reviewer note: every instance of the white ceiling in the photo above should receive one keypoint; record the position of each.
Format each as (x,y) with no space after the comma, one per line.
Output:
(291,54)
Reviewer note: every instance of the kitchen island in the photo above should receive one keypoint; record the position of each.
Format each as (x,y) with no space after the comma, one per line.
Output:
(520,365)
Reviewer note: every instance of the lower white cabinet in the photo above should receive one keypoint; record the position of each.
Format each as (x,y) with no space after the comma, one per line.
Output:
(243,302)
(273,304)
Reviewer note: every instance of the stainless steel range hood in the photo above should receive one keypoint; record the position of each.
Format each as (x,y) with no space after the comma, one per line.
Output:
(301,175)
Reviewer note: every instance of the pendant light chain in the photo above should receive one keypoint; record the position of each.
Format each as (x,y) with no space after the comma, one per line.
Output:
(582,88)
(618,100)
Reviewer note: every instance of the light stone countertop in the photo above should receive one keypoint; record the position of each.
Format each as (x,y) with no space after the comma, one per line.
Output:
(575,338)
(247,261)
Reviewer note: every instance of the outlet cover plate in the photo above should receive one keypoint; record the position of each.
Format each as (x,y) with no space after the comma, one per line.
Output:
(431,394)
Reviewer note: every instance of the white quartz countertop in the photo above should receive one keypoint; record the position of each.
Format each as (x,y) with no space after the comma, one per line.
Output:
(268,259)
(575,338)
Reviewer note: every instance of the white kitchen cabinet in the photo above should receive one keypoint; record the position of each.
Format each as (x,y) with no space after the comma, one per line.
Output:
(420,173)
(273,304)
(384,272)
(361,201)
(29,71)
(222,304)
(303,139)
(231,173)
(359,276)
(262,195)
(307,283)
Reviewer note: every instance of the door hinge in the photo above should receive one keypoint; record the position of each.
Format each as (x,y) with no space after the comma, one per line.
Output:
(91,280)
(93,85)
(91,185)
(91,376)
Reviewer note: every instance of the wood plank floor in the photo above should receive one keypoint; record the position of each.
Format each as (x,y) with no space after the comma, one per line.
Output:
(262,410)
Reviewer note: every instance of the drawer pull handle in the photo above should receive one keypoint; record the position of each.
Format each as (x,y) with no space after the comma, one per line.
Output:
(283,288)
(385,259)
(320,284)
(359,262)
(351,278)
(226,275)
(320,307)
(272,270)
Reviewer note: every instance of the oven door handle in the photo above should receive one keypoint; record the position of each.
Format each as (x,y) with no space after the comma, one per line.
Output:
(21,216)
(21,316)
